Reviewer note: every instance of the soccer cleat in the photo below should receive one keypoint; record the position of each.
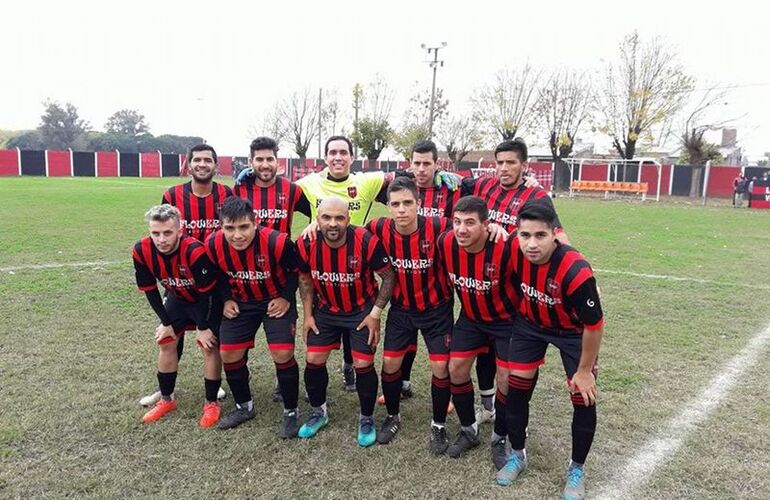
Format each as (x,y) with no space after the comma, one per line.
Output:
(317,421)
(221,394)
(151,399)
(236,417)
(483,415)
(464,442)
(390,428)
(407,392)
(349,379)
(576,485)
(515,465)
(367,434)
(159,410)
(289,426)
(438,440)
(500,453)
(211,413)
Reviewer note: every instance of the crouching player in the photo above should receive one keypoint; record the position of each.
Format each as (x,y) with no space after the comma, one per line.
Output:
(559,305)
(179,262)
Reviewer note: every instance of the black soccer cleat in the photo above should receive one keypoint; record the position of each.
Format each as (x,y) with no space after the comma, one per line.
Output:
(289,426)
(390,428)
(500,453)
(465,441)
(407,392)
(438,440)
(236,418)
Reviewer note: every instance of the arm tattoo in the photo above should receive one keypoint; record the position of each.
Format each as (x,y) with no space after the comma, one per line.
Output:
(386,287)
(306,291)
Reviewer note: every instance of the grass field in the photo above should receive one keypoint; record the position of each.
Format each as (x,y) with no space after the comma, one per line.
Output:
(76,353)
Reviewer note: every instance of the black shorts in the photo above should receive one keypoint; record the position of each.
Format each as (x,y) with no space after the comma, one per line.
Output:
(530,342)
(187,315)
(436,327)
(239,332)
(331,327)
(470,338)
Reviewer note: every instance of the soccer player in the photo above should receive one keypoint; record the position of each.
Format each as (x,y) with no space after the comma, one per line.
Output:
(560,306)
(260,267)
(274,198)
(422,300)
(481,272)
(180,264)
(435,200)
(340,296)
(198,203)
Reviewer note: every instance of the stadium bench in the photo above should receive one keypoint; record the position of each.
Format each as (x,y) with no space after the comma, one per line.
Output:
(635,188)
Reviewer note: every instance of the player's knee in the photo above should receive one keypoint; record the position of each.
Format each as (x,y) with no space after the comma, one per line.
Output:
(282,355)
(501,378)
(440,369)
(232,356)
(359,363)
(317,358)
(392,364)
(168,348)
(459,370)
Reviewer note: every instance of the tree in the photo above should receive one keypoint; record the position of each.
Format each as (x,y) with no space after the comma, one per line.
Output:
(409,134)
(505,106)
(642,88)
(27,139)
(564,104)
(126,122)
(371,137)
(61,127)
(460,136)
(295,119)
(373,132)
(418,112)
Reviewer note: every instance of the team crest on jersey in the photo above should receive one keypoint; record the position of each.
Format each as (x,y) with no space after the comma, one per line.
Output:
(515,203)
(490,270)
(552,287)
(352,191)
(182,269)
(217,207)
(425,246)
(260,261)
(354,263)
(448,339)
(439,197)
(281,199)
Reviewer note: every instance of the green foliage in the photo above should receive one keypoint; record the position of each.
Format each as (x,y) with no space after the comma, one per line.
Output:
(404,140)
(61,127)
(126,122)
(27,139)
(372,136)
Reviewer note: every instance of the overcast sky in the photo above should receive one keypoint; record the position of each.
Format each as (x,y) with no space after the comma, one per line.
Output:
(213,68)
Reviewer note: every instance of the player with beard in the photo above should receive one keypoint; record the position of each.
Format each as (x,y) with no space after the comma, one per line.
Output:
(198,203)
(180,264)
(340,296)
(559,305)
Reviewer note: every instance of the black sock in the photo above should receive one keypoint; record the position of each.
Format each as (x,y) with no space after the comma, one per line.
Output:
(583,428)
(212,388)
(486,370)
(288,382)
(366,385)
(238,379)
(501,429)
(179,347)
(462,395)
(440,395)
(517,409)
(406,364)
(316,381)
(166,382)
(391,388)
(347,353)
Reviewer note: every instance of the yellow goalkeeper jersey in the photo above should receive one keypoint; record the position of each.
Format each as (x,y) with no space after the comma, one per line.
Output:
(359,189)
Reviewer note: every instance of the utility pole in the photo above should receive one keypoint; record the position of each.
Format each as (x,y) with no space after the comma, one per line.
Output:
(320,96)
(434,64)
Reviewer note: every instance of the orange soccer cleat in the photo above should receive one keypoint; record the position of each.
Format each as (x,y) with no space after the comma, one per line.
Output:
(211,413)
(159,410)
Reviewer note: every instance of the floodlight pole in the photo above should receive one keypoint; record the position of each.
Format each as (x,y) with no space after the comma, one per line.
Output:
(435,63)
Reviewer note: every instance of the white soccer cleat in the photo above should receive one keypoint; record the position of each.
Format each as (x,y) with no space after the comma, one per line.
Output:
(150,400)
(221,394)
(483,415)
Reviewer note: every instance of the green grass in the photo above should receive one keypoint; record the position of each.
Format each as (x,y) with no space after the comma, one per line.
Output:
(76,353)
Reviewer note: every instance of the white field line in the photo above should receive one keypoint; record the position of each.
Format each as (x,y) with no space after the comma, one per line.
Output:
(640,467)
(667,277)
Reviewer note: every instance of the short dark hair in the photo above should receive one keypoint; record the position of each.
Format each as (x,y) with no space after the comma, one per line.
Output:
(261,143)
(202,147)
(338,138)
(517,145)
(425,147)
(403,183)
(473,204)
(235,208)
(538,211)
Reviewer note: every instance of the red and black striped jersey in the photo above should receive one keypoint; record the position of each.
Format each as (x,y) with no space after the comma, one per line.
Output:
(343,278)
(260,271)
(437,201)
(421,281)
(184,273)
(274,206)
(560,294)
(504,204)
(200,216)
(482,280)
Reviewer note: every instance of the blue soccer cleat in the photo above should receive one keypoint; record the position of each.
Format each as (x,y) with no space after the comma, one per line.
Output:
(317,421)
(367,433)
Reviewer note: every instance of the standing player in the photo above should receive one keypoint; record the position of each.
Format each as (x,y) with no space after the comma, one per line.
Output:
(260,266)
(480,271)
(560,306)
(422,300)
(435,200)
(180,264)
(340,296)
(198,203)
